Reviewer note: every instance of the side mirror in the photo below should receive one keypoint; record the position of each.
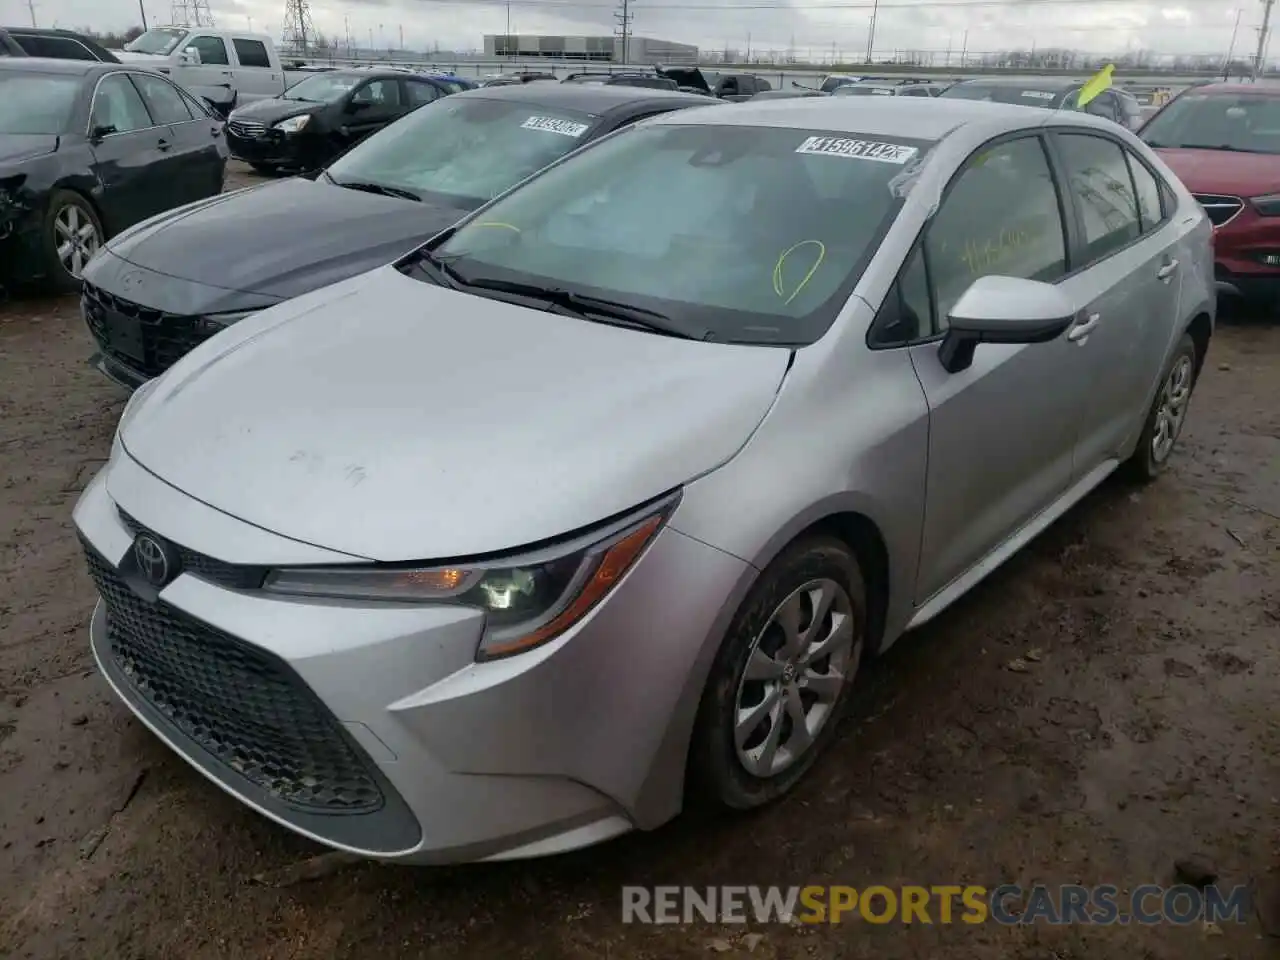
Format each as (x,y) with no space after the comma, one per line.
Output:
(355,106)
(191,55)
(1003,310)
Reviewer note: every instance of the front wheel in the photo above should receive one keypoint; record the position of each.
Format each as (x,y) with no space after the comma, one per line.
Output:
(72,235)
(1168,414)
(782,676)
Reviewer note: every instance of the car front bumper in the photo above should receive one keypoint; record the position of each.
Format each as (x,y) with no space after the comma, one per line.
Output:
(275,149)
(379,710)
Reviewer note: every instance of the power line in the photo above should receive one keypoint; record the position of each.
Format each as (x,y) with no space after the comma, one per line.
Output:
(297,31)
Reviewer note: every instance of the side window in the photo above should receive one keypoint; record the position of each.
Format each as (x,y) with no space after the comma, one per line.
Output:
(251,53)
(905,316)
(978,232)
(57,48)
(118,106)
(198,110)
(212,49)
(1103,190)
(382,93)
(162,98)
(1148,190)
(421,92)
(915,92)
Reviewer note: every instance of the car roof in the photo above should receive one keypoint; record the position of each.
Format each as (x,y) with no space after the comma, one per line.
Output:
(915,118)
(1214,89)
(1030,83)
(75,68)
(594,98)
(364,73)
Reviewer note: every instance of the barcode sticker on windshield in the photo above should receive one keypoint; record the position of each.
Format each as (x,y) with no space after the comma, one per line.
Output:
(857,149)
(566,128)
(1037,94)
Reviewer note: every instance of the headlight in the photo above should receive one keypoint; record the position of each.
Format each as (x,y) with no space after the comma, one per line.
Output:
(212,323)
(293,124)
(1268,206)
(527,600)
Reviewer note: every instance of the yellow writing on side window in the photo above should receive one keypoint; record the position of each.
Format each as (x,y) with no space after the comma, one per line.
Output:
(987,255)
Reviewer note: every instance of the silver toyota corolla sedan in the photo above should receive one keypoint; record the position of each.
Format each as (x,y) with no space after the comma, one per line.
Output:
(603,496)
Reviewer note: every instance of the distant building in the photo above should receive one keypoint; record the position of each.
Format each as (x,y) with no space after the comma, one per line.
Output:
(599,49)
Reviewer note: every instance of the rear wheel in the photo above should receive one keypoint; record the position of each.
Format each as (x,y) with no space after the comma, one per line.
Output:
(1168,414)
(782,676)
(72,235)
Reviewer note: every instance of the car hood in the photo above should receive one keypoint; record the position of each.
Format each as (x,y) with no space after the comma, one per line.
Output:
(17,147)
(1224,171)
(274,110)
(395,420)
(142,59)
(688,77)
(282,238)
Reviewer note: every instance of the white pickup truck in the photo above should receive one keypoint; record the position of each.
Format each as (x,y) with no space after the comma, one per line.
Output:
(225,67)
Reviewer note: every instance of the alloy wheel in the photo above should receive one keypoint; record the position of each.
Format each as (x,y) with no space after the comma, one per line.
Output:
(1175,395)
(76,237)
(798,668)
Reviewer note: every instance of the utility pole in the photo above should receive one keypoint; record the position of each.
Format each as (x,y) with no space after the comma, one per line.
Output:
(1231,48)
(624,29)
(143,12)
(871,33)
(1264,34)
(31,7)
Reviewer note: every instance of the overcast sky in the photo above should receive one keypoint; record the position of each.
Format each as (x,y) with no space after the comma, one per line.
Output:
(820,26)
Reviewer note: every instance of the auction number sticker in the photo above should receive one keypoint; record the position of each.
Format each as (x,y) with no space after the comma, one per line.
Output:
(566,128)
(857,149)
(1037,95)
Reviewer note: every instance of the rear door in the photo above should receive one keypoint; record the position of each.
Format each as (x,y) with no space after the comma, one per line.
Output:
(1002,433)
(132,158)
(1125,272)
(196,158)
(417,92)
(256,78)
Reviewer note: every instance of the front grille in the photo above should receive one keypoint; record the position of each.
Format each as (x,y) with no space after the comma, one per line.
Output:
(1220,208)
(245,707)
(247,129)
(142,338)
(233,575)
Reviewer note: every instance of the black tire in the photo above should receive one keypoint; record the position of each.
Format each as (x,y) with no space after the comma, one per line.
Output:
(717,775)
(64,204)
(266,169)
(1146,463)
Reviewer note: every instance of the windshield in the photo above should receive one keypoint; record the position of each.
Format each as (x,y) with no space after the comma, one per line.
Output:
(1003,93)
(463,152)
(1245,122)
(158,41)
(755,234)
(322,88)
(857,90)
(832,83)
(36,103)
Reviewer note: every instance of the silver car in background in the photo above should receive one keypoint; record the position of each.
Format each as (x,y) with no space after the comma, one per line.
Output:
(602,497)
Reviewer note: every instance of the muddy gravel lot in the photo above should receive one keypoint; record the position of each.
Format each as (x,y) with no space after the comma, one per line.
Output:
(1102,706)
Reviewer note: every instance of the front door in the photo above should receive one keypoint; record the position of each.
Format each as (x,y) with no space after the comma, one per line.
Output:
(212,77)
(1126,275)
(1003,431)
(131,154)
(372,105)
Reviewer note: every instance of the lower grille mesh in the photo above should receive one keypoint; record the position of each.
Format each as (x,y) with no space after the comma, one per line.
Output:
(242,705)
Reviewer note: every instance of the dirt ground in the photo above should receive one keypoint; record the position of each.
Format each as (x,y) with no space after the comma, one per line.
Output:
(1103,705)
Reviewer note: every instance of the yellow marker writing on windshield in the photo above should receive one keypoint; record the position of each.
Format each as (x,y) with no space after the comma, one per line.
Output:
(777,269)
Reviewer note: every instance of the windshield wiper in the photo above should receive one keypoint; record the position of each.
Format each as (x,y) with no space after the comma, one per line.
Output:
(368,186)
(1216,146)
(587,306)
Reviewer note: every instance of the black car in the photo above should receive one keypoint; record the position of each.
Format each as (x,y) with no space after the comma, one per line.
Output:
(322,115)
(723,86)
(58,44)
(88,149)
(521,76)
(626,79)
(159,290)
(792,94)
(882,88)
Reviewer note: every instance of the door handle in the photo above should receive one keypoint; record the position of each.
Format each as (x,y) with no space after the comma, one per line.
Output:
(163,144)
(1166,271)
(1080,332)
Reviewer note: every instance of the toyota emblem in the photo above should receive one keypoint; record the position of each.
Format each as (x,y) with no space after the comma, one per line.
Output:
(152,559)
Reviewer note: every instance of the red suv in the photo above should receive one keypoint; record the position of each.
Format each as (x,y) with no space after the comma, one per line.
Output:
(1223,141)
